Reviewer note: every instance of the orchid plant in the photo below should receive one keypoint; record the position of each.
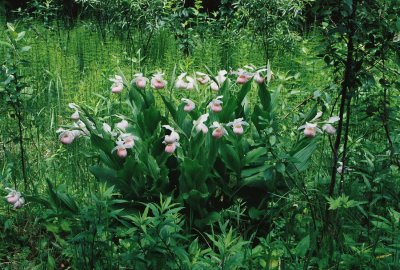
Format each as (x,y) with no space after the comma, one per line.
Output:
(185,147)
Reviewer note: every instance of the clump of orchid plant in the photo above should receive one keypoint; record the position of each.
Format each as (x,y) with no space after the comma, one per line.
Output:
(118,84)
(311,128)
(171,141)
(15,198)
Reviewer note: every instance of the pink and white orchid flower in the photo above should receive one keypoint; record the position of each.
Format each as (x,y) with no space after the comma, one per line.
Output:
(140,81)
(199,124)
(237,125)
(107,129)
(75,115)
(180,83)
(15,198)
(214,86)
(202,78)
(82,127)
(189,105)
(122,125)
(66,136)
(128,139)
(184,82)
(171,141)
(121,149)
(172,137)
(125,141)
(310,129)
(219,130)
(157,81)
(215,104)
(220,79)
(328,127)
(118,84)
(243,76)
(259,78)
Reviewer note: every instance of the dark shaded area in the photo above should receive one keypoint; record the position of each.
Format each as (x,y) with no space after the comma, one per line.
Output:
(69,8)
(208,5)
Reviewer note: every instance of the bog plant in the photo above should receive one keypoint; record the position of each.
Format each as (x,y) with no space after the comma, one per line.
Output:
(205,151)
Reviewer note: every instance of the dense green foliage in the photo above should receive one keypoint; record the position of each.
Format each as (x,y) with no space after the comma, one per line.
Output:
(271,196)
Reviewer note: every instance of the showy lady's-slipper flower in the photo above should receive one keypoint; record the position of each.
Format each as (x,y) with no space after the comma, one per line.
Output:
(75,115)
(259,77)
(214,86)
(107,129)
(215,104)
(68,136)
(310,129)
(118,84)
(189,105)
(122,125)
(243,76)
(237,125)
(171,141)
(202,78)
(125,141)
(140,81)
(190,83)
(128,139)
(121,149)
(184,82)
(172,137)
(328,127)
(199,124)
(219,130)
(180,83)
(15,198)
(157,81)
(220,79)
